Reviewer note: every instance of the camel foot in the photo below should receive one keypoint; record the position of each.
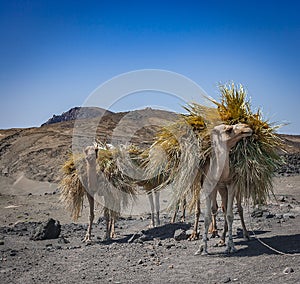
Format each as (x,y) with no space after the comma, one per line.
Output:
(214,234)
(87,239)
(200,250)
(107,237)
(221,243)
(194,236)
(246,237)
(182,219)
(230,248)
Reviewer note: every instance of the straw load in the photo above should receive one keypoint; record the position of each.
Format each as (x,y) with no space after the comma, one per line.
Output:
(186,145)
(179,155)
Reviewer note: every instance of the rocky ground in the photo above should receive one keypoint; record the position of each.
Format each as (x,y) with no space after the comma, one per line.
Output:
(142,255)
(30,162)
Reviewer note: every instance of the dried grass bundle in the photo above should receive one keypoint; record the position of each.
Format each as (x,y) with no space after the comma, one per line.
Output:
(254,159)
(71,188)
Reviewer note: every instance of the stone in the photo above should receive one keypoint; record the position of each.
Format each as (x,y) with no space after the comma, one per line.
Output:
(1,242)
(47,230)
(288,215)
(168,246)
(13,253)
(269,215)
(288,270)
(63,240)
(140,261)
(227,280)
(257,212)
(180,235)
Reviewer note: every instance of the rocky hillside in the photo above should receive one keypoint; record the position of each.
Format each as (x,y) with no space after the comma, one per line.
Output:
(77,113)
(38,153)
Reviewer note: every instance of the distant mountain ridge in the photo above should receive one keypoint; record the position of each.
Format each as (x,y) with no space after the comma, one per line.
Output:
(39,152)
(77,113)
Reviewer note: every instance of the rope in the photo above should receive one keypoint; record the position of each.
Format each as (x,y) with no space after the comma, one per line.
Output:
(263,243)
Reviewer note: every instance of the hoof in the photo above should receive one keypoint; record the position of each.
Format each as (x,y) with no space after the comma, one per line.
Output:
(221,243)
(201,251)
(246,238)
(214,234)
(230,250)
(87,239)
(107,238)
(194,236)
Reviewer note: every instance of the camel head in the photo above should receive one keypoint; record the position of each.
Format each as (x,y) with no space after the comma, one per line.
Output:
(231,134)
(91,153)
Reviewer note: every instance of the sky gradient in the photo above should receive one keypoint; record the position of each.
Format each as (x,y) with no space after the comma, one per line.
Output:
(53,54)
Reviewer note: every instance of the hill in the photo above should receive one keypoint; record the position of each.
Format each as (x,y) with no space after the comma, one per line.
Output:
(77,113)
(38,153)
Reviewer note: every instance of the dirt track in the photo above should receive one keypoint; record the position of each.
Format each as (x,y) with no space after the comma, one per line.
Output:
(160,259)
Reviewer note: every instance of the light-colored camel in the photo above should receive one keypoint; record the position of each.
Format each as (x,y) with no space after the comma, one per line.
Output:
(109,214)
(94,189)
(217,175)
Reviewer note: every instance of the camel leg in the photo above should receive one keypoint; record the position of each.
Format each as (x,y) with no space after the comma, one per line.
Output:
(157,207)
(241,214)
(112,226)
(87,237)
(182,218)
(213,227)
(173,220)
(229,214)
(223,193)
(107,220)
(194,235)
(152,222)
(183,207)
(207,220)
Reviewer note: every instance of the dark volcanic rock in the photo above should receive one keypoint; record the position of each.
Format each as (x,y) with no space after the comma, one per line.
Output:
(180,235)
(77,112)
(291,164)
(47,230)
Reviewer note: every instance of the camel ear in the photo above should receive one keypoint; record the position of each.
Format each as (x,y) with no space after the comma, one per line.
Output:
(95,144)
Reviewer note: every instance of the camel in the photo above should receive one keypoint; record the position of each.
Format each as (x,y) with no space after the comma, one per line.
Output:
(109,214)
(217,176)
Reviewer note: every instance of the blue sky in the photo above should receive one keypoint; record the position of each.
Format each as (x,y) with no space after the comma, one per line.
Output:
(53,54)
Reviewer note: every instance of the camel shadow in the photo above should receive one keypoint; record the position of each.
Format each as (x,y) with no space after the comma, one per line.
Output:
(163,232)
(286,244)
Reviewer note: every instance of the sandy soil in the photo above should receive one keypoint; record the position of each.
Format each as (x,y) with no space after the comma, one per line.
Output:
(158,258)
